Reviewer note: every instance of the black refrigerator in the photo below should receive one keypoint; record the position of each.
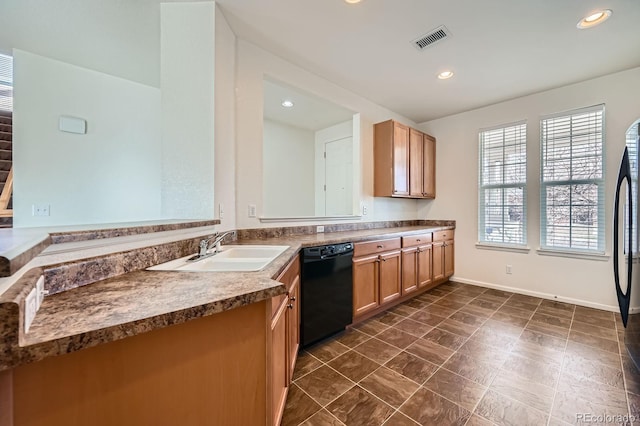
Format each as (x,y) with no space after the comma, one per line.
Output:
(626,239)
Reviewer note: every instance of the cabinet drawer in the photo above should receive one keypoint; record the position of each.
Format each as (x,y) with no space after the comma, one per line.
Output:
(443,235)
(416,240)
(378,246)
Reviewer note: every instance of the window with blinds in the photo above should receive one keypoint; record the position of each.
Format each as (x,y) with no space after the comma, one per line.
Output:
(572,180)
(632,141)
(503,185)
(6,83)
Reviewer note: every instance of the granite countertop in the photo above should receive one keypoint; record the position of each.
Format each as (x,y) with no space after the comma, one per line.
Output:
(20,245)
(143,300)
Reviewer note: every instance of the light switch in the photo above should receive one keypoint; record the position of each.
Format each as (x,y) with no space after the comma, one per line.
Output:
(73,125)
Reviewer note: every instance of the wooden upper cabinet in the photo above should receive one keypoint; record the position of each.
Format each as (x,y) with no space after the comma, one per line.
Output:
(391,156)
(404,161)
(416,143)
(429,167)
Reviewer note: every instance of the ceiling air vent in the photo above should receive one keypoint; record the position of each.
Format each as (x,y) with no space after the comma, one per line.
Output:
(432,37)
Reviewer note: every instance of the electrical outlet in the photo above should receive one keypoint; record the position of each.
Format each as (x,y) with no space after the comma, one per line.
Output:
(508,269)
(40,209)
(220,211)
(319,228)
(364,210)
(252,210)
(30,309)
(40,292)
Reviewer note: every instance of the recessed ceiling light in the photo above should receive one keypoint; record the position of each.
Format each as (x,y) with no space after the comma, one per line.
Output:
(594,19)
(352,1)
(287,104)
(445,75)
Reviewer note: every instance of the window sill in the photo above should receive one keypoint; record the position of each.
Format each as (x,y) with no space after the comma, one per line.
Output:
(574,254)
(503,247)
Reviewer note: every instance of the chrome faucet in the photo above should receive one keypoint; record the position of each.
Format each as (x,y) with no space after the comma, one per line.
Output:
(212,242)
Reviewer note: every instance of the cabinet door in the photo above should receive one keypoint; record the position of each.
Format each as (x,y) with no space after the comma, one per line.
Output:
(416,144)
(449,262)
(365,284)
(438,260)
(429,167)
(390,276)
(400,159)
(424,266)
(409,270)
(293,323)
(279,364)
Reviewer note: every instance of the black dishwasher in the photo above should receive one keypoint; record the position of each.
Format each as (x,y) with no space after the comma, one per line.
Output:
(327,294)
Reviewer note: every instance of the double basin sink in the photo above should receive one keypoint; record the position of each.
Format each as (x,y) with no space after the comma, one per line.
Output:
(245,258)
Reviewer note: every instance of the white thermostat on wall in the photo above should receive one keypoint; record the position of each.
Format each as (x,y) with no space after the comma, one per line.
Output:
(73,125)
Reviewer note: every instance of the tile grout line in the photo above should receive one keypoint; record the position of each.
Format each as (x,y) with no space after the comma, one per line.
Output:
(441,366)
(475,407)
(624,375)
(564,357)
(397,410)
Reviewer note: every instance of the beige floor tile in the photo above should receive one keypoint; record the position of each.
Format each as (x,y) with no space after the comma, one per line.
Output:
(358,407)
(505,411)
(428,408)
(389,386)
(463,392)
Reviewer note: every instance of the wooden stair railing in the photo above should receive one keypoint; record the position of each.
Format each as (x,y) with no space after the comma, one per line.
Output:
(5,196)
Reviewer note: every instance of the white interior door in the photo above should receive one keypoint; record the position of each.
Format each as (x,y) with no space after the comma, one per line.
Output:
(338,177)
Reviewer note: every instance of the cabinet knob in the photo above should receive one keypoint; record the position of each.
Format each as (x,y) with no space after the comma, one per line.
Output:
(379,246)
(290,306)
(419,251)
(293,299)
(418,240)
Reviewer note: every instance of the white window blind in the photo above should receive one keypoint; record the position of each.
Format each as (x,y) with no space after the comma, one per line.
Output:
(572,180)
(6,83)
(503,185)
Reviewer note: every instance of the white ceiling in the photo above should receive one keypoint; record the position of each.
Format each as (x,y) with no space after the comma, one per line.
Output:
(308,112)
(499,49)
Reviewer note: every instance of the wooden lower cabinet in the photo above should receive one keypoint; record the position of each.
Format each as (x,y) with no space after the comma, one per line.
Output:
(207,371)
(390,276)
(284,342)
(409,270)
(365,284)
(386,272)
(438,260)
(279,364)
(425,263)
(416,268)
(377,275)
(443,259)
(449,259)
(293,323)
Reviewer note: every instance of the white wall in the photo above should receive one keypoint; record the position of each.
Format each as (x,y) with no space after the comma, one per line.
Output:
(110,174)
(187,83)
(253,64)
(322,136)
(120,38)
(225,94)
(587,282)
(288,159)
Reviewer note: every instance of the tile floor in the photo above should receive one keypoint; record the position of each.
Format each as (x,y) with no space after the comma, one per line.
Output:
(461,354)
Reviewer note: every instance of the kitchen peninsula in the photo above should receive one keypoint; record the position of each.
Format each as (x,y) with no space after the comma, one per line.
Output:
(156,347)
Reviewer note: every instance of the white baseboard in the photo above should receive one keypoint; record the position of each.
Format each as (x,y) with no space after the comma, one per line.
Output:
(543,295)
